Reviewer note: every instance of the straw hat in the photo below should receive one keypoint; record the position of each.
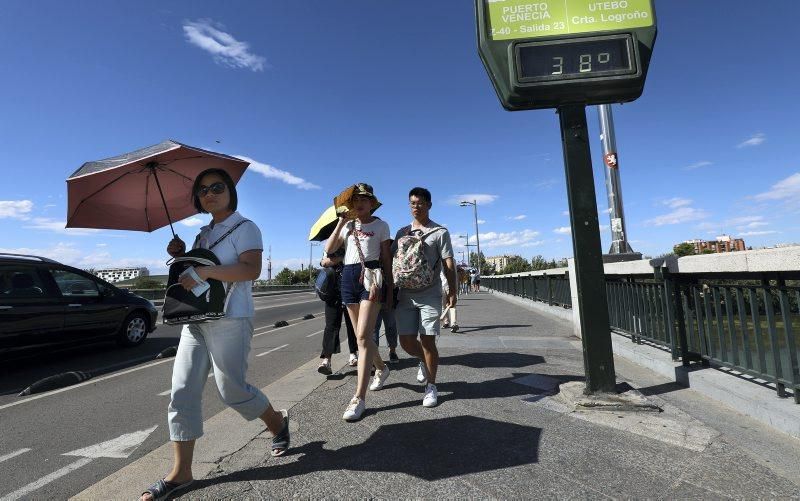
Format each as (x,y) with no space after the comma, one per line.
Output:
(344,201)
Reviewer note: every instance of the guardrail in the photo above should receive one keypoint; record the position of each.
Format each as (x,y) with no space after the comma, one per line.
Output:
(551,289)
(748,321)
(155,294)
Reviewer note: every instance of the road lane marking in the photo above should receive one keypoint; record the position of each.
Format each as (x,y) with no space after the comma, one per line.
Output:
(33,486)
(121,448)
(315,333)
(13,455)
(270,351)
(117,374)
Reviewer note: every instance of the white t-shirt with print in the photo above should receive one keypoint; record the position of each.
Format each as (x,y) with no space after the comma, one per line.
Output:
(244,238)
(370,237)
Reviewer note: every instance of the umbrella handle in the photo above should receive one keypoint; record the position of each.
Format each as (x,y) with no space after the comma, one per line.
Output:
(152,166)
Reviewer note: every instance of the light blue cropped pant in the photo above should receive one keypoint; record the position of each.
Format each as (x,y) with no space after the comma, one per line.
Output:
(223,345)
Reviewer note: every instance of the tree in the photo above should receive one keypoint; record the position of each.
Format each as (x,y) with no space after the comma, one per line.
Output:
(284,277)
(538,263)
(684,249)
(707,251)
(516,264)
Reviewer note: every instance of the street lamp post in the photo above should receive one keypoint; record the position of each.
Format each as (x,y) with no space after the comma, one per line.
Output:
(467,245)
(474,204)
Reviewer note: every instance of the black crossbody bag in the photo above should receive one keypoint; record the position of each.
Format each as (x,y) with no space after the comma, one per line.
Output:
(181,306)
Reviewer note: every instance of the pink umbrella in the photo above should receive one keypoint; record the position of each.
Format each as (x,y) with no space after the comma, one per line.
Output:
(143,190)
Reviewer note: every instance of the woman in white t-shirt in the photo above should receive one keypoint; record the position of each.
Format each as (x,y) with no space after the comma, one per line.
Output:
(366,276)
(222,345)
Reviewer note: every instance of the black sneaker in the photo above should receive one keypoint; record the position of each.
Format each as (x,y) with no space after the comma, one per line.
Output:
(393,358)
(454,328)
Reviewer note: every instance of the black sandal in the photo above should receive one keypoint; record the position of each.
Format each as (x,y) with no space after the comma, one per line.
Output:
(162,489)
(280,442)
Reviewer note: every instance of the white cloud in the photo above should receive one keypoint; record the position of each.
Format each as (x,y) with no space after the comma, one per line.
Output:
(698,165)
(783,189)
(511,239)
(192,222)
(518,218)
(564,230)
(604,227)
(271,172)
(754,140)
(565,213)
(481,198)
(678,216)
(72,255)
(481,221)
(674,203)
(17,209)
(757,233)
(56,226)
(102,245)
(291,263)
(222,46)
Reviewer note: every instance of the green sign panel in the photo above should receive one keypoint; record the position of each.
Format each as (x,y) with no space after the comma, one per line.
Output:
(518,19)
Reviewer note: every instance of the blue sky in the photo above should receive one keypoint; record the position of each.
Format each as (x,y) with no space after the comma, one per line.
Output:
(323,94)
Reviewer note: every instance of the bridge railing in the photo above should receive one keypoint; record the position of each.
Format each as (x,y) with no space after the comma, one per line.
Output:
(737,313)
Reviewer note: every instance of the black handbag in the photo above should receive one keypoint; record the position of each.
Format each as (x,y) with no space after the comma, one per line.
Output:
(181,306)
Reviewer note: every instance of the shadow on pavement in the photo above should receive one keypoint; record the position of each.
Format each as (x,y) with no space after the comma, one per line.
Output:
(494,360)
(490,327)
(492,445)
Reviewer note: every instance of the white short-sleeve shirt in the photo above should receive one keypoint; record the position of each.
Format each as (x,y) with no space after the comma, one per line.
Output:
(369,237)
(244,238)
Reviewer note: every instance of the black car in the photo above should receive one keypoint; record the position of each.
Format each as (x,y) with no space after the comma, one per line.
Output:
(44,303)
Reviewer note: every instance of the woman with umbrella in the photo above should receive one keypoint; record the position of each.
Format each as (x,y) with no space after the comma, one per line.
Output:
(366,239)
(222,345)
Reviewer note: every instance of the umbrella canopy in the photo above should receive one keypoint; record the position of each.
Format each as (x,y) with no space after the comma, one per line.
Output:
(143,190)
(323,228)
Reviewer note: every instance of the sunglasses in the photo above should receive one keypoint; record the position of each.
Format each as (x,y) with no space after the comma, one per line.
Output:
(216,188)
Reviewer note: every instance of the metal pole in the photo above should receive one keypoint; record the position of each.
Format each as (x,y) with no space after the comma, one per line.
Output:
(619,241)
(153,168)
(477,235)
(598,357)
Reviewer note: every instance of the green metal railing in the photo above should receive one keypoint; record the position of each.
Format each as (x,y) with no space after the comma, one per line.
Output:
(750,328)
(551,289)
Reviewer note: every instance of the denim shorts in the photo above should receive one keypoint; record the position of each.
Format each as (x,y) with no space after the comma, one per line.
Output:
(353,291)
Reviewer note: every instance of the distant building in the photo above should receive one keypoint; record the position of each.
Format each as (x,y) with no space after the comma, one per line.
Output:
(723,243)
(120,274)
(498,262)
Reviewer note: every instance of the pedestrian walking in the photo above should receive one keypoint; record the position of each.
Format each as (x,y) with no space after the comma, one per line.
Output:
(334,313)
(422,249)
(221,345)
(366,274)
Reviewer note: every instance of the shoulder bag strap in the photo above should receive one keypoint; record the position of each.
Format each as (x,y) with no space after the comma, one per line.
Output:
(220,239)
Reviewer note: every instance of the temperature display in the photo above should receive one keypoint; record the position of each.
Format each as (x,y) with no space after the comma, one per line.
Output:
(556,60)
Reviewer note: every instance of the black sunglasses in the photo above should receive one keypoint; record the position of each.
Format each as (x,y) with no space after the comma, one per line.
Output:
(216,188)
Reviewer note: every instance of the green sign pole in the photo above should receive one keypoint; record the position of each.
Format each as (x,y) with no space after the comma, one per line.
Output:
(598,357)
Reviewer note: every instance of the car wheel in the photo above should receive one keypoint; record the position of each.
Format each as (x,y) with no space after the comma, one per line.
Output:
(133,331)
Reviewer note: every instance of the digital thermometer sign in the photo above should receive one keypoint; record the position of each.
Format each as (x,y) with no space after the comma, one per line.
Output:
(547,53)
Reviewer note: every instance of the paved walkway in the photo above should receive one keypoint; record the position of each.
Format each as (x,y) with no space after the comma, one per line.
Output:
(500,431)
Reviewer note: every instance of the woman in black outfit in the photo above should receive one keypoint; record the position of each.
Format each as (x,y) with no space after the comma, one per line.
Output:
(334,311)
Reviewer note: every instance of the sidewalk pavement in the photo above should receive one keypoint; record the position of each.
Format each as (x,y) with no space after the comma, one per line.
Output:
(500,431)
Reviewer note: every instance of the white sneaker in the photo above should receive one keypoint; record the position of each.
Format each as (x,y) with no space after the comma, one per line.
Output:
(353,360)
(431,396)
(422,373)
(381,375)
(354,409)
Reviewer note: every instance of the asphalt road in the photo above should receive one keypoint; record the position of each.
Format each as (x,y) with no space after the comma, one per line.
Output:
(129,393)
